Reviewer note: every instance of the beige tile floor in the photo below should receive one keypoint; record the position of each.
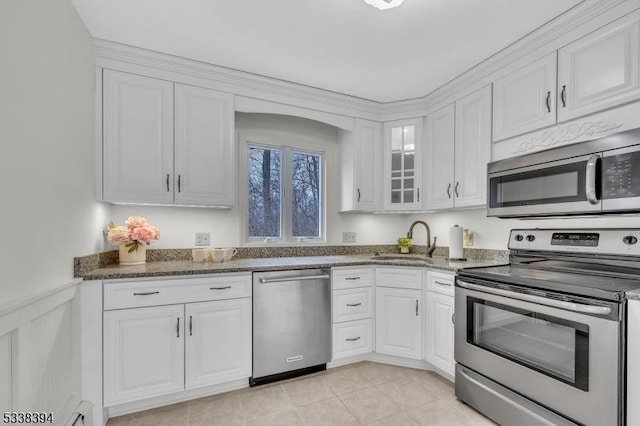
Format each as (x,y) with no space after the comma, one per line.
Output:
(365,393)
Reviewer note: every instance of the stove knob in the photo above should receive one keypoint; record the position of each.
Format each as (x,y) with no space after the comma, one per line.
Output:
(531,238)
(629,240)
(519,237)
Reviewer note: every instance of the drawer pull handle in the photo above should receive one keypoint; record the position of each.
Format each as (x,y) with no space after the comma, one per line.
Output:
(148,293)
(353,339)
(352,278)
(444,284)
(354,304)
(220,288)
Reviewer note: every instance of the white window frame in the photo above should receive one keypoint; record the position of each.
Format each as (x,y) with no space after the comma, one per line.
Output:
(287,145)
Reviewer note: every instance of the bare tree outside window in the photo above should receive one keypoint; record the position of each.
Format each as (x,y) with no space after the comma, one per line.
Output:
(305,188)
(264,176)
(273,172)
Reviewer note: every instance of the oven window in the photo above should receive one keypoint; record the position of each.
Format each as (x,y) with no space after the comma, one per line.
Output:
(556,184)
(552,346)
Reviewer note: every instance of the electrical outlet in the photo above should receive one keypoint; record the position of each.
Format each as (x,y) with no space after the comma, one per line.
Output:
(348,237)
(203,238)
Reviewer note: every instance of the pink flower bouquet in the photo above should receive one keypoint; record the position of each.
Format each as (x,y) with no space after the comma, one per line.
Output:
(137,231)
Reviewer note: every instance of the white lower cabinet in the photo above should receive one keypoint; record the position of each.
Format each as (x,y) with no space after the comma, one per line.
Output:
(399,322)
(440,307)
(217,342)
(143,353)
(159,350)
(352,306)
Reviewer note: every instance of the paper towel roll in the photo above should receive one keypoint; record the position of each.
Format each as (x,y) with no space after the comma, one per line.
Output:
(455,242)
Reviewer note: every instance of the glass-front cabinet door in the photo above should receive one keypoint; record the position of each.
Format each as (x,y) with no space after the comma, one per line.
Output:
(402,165)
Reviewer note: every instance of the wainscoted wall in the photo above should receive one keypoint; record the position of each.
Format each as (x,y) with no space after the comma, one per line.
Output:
(40,367)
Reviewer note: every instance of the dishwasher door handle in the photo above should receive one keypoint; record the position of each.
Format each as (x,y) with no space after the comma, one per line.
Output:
(303,278)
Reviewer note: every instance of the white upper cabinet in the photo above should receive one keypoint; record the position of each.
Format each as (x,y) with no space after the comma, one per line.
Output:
(472,148)
(599,70)
(361,155)
(524,100)
(144,162)
(596,72)
(457,150)
(439,158)
(138,139)
(203,146)
(403,165)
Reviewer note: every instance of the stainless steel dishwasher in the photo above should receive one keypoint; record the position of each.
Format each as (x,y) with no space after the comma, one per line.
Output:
(291,324)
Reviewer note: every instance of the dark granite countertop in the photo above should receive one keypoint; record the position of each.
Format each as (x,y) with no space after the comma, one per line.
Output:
(188,267)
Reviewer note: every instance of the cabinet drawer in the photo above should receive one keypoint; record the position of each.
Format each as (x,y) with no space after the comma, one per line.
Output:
(131,294)
(351,277)
(440,283)
(352,338)
(352,304)
(399,277)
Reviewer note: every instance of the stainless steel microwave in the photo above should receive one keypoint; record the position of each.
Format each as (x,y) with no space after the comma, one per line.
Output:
(600,176)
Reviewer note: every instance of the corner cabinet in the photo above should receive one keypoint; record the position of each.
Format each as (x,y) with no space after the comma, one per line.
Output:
(361,156)
(403,165)
(399,312)
(166,143)
(457,150)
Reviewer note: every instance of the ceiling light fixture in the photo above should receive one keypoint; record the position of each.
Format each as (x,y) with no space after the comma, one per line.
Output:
(384,4)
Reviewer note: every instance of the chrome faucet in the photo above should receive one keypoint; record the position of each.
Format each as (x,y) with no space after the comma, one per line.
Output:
(430,248)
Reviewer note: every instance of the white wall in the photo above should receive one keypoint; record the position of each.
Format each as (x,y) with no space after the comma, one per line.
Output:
(48,215)
(493,233)
(178,225)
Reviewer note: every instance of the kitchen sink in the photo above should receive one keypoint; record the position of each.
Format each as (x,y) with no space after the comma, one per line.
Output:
(403,258)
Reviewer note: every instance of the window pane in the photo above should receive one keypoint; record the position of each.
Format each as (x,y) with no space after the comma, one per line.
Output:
(305,190)
(264,192)
(409,138)
(396,139)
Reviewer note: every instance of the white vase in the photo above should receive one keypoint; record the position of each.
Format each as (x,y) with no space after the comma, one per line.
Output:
(136,257)
(404,250)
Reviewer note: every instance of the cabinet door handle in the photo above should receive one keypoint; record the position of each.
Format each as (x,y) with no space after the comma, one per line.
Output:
(190,325)
(167,182)
(418,194)
(353,339)
(354,304)
(456,189)
(352,278)
(220,288)
(563,96)
(444,284)
(449,190)
(179,182)
(358,194)
(548,101)
(146,293)
(453,318)
(178,328)
(416,307)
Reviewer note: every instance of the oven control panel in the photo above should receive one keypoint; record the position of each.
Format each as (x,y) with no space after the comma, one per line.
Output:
(596,241)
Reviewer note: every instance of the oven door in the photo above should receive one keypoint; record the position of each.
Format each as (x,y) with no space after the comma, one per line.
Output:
(564,360)
(569,186)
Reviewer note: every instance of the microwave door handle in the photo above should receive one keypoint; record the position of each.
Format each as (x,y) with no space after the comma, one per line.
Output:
(590,184)
(569,306)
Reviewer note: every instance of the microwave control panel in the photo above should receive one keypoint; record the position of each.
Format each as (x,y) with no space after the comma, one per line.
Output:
(621,175)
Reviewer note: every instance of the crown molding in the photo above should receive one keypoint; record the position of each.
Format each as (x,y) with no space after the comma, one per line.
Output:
(129,58)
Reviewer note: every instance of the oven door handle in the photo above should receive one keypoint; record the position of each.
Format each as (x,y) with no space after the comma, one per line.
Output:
(569,306)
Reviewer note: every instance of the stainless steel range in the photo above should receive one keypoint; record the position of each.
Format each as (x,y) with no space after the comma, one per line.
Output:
(541,341)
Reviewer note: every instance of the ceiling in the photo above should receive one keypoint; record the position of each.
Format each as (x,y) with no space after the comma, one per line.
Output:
(344,46)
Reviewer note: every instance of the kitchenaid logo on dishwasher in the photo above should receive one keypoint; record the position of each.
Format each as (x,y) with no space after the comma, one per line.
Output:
(295,358)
